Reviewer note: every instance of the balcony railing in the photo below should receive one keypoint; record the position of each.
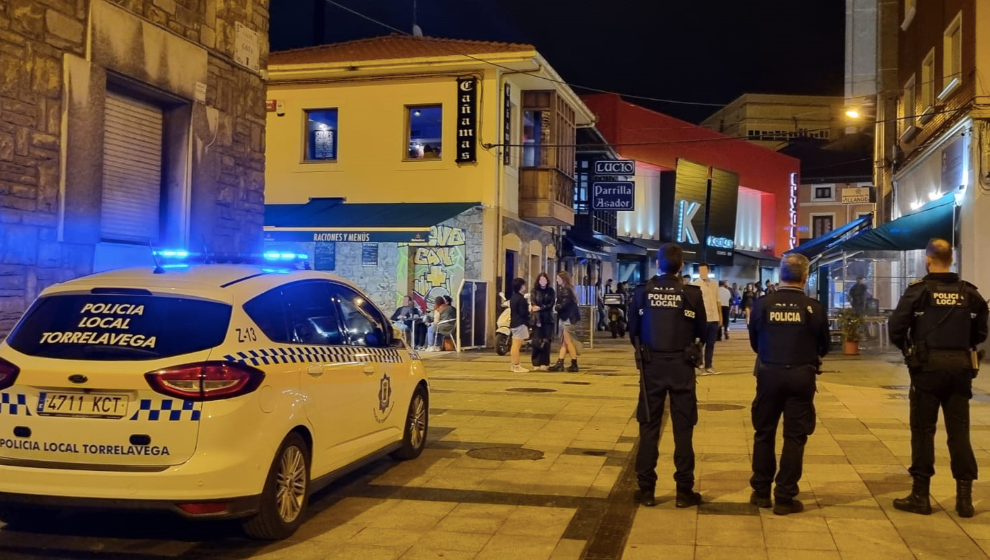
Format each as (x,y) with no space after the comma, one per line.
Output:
(546,197)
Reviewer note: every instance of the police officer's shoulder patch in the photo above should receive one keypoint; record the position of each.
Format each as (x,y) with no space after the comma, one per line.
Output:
(916,282)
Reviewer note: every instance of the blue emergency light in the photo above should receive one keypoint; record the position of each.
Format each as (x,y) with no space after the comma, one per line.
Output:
(181,258)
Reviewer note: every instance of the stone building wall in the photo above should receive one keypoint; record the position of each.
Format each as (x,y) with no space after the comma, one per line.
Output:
(49,220)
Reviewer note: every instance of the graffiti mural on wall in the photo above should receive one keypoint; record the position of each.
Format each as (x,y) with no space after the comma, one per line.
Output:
(437,267)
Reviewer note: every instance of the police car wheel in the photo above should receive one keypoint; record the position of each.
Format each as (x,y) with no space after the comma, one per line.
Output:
(286,493)
(417,426)
(501,344)
(26,517)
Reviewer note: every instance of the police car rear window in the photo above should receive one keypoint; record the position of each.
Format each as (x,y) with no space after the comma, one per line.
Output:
(119,327)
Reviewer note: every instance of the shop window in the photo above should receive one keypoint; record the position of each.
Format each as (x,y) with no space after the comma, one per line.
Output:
(424,124)
(952,57)
(536,133)
(321,135)
(823,193)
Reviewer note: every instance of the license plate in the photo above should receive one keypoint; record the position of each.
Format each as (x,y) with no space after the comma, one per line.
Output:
(82,404)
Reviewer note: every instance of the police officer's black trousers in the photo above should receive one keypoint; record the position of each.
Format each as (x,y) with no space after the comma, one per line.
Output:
(950,390)
(791,392)
(676,378)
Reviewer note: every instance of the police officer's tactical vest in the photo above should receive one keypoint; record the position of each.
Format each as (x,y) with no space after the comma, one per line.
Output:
(944,321)
(667,321)
(786,337)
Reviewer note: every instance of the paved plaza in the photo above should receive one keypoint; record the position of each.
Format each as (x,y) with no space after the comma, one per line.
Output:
(538,466)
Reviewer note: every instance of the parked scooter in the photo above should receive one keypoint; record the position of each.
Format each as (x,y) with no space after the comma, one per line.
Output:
(503,334)
(616,306)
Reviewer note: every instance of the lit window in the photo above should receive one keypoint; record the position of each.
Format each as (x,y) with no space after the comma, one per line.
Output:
(425,126)
(928,82)
(536,132)
(321,135)
(952,57)
(908,106)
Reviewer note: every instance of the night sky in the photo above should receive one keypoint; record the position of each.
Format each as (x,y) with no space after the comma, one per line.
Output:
(708,51)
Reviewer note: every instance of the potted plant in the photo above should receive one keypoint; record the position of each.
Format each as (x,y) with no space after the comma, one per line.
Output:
(851,323)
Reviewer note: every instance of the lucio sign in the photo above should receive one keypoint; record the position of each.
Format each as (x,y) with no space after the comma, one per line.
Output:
(615,167)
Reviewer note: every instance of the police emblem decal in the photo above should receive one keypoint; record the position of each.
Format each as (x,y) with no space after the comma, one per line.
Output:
(385,404)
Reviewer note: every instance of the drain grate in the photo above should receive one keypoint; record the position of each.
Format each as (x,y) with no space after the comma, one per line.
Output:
(531,390)
(720,407)
(505,454)
(575,383)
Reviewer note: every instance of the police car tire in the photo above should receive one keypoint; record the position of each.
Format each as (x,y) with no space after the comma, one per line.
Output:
(409,450)
(501,344)
(26,517)
(267,524)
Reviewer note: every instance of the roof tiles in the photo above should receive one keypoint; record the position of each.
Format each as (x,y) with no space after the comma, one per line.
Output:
(391,47)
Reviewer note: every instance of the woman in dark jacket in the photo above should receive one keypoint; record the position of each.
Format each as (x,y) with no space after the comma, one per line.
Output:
(569,315)
(542,299)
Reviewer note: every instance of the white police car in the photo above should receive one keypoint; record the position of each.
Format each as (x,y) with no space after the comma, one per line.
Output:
(211,391)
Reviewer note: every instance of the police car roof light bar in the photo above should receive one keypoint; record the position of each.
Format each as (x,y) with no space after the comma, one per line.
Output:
(185,258)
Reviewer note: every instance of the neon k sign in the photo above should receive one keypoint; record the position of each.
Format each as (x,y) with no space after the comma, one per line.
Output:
(685,222)
(793,227)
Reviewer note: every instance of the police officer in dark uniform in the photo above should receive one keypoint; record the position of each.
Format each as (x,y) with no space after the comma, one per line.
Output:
(789,332)
(666,318)
(938,323)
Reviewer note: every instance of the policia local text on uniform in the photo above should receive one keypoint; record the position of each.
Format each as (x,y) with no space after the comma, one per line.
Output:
(938,323)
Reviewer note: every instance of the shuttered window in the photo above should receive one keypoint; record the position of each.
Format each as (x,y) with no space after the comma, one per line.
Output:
(132,171)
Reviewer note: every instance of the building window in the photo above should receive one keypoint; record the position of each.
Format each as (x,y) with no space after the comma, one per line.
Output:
(424,124)
(908,107)
(928,85)
(952,57)
(321,135)
(910,9)
(820,225)
(132,198)
(823,193)
(536,132)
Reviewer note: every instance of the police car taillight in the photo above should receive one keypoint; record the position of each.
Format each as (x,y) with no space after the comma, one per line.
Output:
(206,381)
(8,373)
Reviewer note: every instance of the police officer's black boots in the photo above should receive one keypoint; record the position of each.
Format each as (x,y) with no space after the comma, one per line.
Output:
(574,367)
(785,507)
(918,501)
(964,498)
(687,498)
(761,500)
(559,366)
(645,498)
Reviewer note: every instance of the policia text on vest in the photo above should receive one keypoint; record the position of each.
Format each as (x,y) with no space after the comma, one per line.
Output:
(938,323)
(789,331)
(666,320)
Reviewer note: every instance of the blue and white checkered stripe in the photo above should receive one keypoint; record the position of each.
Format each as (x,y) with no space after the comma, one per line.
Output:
(14,405)
(323,354)
(167,411)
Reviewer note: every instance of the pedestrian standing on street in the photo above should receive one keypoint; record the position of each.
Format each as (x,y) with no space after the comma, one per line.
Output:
(542,299)
(724,300)
(748,299)
(667,316)
(771,288)
(519,310)
(713,310)
(789,331)
(569,315)
(938,323)
(735,301)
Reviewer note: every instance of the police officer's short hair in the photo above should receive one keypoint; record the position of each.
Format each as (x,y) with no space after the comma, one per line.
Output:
(670,258)
(940,251)
(794,268)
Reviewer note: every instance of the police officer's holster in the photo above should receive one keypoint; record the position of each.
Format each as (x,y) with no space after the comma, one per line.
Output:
(663,375)
(941,379)
(788,391)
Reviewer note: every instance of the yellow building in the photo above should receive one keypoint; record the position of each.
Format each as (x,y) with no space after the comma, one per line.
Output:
(454,160)
(772,121)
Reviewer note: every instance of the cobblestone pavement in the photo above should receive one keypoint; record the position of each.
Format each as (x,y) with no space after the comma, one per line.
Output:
(538,466)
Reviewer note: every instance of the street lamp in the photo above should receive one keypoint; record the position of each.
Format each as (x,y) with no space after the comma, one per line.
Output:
(852,113)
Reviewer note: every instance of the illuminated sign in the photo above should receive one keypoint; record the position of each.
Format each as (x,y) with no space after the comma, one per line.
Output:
(793,228)
(685,225)
(615,167)
(614,195)
(721,242)
(467,120)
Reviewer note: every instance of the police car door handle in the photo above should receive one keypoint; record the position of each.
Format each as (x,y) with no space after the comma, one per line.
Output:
(369,369)
(315,370)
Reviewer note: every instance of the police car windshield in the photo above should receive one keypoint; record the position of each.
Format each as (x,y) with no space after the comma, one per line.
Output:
(119,327)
